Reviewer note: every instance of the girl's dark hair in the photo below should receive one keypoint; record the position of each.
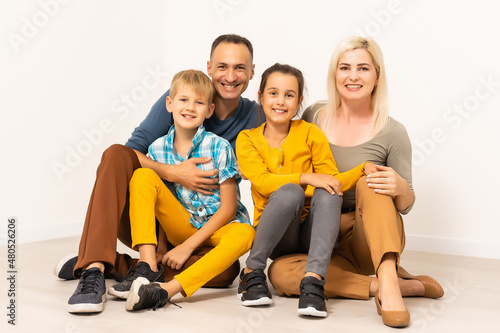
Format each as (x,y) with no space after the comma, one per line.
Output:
(284,69)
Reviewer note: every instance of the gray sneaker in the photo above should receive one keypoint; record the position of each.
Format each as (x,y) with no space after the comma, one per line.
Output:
(65,266)
(90,294)
(143,269)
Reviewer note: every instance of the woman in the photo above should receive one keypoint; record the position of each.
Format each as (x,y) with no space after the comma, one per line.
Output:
(358,127)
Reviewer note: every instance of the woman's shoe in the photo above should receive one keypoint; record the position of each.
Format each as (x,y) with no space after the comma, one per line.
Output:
(432,288)
(392,318)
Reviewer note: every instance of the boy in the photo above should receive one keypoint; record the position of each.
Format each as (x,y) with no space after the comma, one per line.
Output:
(231,68)
(189,219)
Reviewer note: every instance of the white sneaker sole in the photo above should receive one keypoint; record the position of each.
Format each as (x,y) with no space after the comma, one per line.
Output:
(310,311)
(255,302)
(119,294)
(87,307)
(133,295)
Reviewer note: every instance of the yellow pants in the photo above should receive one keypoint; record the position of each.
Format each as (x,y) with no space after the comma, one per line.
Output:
(150,198)
(376,228)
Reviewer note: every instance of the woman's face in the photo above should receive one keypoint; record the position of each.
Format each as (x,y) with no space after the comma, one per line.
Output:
(356,75)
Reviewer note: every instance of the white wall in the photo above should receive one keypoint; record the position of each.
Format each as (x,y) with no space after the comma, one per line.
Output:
(442,65)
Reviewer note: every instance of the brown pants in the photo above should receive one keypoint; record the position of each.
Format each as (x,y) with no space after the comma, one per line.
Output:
(374,229)
(108,220)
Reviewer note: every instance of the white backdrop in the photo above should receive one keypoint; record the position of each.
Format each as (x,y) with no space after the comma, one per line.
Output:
(79,76)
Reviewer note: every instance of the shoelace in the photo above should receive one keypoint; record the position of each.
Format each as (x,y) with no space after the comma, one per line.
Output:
(90,281)
(161,303)
(130,276)
(154,301)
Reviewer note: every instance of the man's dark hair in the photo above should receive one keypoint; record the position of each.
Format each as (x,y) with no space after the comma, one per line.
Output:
(233,39)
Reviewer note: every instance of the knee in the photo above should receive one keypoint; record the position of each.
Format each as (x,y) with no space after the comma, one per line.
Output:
(120,155)
(324,198)
(141,176)
(289,194)
(117,150)
(245,234)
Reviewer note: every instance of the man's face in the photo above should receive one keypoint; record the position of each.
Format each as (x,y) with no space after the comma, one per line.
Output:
(230,68)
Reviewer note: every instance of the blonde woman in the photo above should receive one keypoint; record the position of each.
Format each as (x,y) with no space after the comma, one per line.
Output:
(358,127)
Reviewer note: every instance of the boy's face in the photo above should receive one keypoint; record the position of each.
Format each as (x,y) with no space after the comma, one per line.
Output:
(189,108)
(230,68)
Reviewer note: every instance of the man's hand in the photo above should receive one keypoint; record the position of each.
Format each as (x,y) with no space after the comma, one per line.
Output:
(189,175)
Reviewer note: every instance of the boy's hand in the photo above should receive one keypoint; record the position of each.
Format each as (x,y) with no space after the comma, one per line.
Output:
(189,175)
(370,168)
(176,257)
(328,182)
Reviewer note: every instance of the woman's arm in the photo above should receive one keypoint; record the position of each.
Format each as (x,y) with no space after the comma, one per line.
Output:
(395,179)
(176,257)
(388,182)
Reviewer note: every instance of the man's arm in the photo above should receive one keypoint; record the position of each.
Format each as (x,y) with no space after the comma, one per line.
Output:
(186,173)
(176,257)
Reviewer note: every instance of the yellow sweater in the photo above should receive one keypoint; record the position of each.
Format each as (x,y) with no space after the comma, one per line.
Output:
(305,150)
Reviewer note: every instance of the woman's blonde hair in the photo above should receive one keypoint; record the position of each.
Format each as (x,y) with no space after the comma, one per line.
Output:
(379,101)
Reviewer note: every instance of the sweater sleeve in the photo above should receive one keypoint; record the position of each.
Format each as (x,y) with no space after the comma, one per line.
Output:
(324,162)
(254,167)
(155,125)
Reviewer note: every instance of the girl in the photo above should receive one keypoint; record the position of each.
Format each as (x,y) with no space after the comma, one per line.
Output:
(357,123)
(296,196)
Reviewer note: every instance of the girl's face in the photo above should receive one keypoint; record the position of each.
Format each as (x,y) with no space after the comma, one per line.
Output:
(280,98)
(356,75)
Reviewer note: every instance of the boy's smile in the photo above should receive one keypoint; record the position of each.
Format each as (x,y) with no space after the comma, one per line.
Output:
(189,108)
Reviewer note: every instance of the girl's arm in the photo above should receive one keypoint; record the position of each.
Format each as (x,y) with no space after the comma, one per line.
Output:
(176,257)
(324,163)
(253,166)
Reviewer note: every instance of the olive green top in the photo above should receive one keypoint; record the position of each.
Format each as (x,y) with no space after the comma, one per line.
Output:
(390,147)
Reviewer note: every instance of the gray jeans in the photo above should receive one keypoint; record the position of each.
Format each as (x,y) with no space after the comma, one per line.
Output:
(280,232)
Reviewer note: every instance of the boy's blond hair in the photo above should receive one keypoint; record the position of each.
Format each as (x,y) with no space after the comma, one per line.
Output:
(197,80)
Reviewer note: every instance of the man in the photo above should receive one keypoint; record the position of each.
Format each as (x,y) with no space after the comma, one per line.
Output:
(230,68)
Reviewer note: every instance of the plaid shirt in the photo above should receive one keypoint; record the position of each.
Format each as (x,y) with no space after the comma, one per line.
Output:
(205,144)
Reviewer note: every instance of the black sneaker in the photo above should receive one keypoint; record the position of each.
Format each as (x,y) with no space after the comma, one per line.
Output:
(90,294)
(312,297)
(65,266)
(253,289)
(143,269)
(146,295)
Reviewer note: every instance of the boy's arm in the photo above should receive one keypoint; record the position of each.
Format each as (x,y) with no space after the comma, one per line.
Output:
(176,257)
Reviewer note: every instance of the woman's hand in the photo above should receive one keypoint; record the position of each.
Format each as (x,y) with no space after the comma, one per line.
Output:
(385,181)
(176,257)
(328,182)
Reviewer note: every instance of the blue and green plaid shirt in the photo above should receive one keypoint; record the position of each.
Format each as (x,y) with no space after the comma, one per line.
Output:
(205,144)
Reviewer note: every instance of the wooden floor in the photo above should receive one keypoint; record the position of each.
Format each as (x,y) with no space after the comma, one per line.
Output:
(471,302)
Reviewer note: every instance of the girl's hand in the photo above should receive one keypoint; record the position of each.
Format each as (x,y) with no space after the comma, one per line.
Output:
(176,257)
(370,168)
(385,181)
(328,182)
